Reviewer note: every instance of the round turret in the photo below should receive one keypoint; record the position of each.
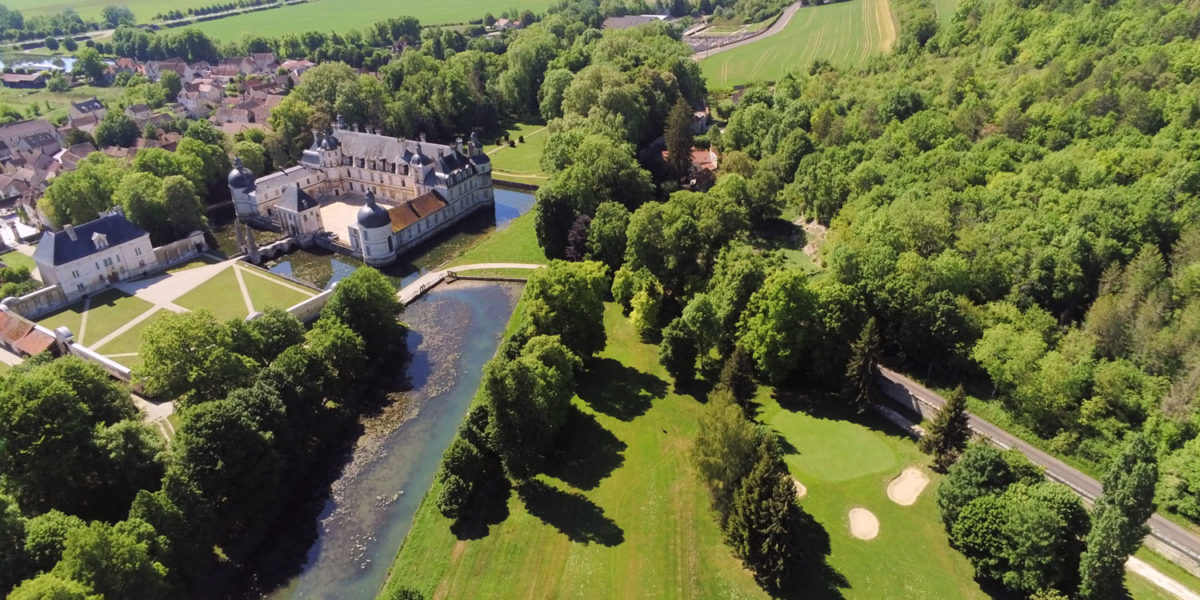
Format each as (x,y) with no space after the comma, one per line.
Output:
(372,215)
(240,178)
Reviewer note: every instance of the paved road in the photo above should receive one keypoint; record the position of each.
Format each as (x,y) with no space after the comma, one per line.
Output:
(775,28)
(1177,538)
(426,282)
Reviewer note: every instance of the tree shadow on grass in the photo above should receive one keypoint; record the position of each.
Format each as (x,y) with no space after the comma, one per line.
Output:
(585,452)
(489,507)
(816,579)
(619,391)
(832,406)
(698,389)
(571,513)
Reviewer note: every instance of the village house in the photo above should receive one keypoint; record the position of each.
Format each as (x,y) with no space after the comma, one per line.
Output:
(90,257)
(154,69)
(92,111)
(127,65)
(23,80)
(140,113)
(31,136)
(70,157)
(198,97)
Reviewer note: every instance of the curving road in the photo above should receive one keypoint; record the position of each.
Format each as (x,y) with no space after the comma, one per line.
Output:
(1183,546)
(775,28)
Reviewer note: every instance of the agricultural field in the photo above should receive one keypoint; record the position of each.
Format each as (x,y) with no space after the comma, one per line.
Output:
(340,15)
(143,10)
(845,33)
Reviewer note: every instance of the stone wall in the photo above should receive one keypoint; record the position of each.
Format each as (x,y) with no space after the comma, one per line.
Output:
(37,303)
(181,250)
(310,309)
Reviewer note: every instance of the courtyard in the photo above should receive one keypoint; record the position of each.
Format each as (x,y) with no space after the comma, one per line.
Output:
(112,321)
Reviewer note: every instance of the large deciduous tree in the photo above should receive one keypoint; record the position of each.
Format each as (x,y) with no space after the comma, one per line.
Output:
(776,328)
(567,299)
(367,304)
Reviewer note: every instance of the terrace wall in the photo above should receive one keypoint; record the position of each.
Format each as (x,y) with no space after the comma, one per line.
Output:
(181,250)
(38,302)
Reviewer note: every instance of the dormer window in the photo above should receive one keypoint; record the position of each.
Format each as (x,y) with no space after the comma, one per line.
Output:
(100,240)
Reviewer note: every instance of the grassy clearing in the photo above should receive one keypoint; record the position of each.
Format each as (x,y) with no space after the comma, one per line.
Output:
(515,243)
(945,9)
(847,461)
(269,291)
(221,295)
(622,517)
(53,105)
(522,163)
(340,15)
(845,33)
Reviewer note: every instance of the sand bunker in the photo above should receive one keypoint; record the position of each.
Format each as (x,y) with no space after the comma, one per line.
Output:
(801,491)
(905,489)
(863,524)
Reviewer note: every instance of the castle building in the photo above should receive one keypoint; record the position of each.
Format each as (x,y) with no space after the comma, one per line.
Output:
(413,189)
(94,255)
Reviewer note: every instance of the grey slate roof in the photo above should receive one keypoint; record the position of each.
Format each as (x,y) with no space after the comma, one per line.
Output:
(88,106)
(57,248)
(296,199)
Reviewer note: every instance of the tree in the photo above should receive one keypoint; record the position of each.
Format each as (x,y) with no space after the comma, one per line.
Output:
(577,238)
(860,371)
(171,84)
(90,64)
(212,158)
(14,558)
(982,470)
(567,299)
(725,450)
(461,475)
(776,327)
(185,213)
(606,234)
(58,83)
(49,586)
(679,138)
(1119,520)
(46,536)
(117,15)
(764,520)
(737,376)
(113,562)
(187,356)
(367,304)
(253,155)
(116,129)
(81,195)
(1044,526)
(948,435)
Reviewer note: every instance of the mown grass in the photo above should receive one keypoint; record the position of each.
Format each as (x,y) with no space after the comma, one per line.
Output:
(846,461)
(516,243)
(109,311)
(52,105)
(125,348)
(845,33)
(622,516)
(945,9)
(220,295)
(522,162)
(341,15)
(269,291)
(16,259)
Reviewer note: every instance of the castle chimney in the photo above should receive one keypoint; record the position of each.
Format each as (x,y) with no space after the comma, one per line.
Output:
(70,229)
(422,136)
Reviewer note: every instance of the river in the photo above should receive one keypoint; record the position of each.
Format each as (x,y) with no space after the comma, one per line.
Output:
(454,330)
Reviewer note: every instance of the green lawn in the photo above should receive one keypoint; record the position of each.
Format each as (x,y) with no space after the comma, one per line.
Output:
(623,517)
(199,261)
(109,310)
(270,291)
(522,163)
(945,10)
(515,243)
(16,259)
(340,15)
(220,295)
(129,343)
(845,33)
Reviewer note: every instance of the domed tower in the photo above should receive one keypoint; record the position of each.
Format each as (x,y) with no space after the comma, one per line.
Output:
(241,189)
(374,235)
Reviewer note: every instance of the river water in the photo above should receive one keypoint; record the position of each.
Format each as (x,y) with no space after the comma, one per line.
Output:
(454,330)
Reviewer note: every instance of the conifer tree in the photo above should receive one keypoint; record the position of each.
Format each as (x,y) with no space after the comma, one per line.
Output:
(765,519)
(679,138)
(860,370)
(1119,521)
(737,376)
(948,435)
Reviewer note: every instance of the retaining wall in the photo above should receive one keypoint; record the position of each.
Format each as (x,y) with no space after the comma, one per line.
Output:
(37,303)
